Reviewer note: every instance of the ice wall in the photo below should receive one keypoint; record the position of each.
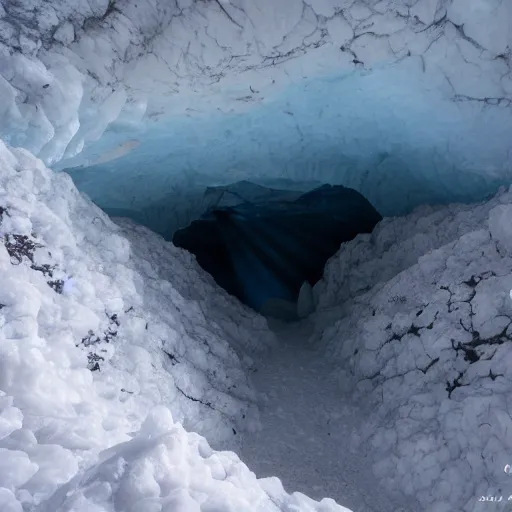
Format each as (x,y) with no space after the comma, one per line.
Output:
(385,134)
(418,317)
(405,101)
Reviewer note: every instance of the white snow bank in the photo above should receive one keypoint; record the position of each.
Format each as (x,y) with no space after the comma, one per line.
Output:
(396,244)
(71,270)
(95,332)
(418,316)
(166,469)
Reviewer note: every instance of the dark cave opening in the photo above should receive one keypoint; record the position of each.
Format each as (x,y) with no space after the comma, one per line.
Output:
(262,244)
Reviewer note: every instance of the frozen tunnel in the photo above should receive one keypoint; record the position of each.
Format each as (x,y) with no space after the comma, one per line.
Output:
(178,177)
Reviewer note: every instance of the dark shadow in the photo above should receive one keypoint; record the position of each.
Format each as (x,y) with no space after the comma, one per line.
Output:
(263,250)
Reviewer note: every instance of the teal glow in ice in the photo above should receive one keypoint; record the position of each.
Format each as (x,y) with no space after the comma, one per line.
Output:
(386,134)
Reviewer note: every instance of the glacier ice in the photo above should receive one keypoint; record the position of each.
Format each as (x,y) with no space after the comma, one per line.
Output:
(305,303)
(419,317)
(407,102)
(388,134)
(147,104)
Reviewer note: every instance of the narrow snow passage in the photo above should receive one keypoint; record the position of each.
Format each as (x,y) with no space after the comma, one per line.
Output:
(307,424)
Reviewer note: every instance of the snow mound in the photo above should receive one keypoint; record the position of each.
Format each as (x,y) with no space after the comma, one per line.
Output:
(422,330)
(166,469)
(395,245)
(101,329)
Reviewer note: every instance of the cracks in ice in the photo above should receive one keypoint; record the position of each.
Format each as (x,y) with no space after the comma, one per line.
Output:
(193,399)
(212,377)
(206,403)
(172,357)
(462,34)
(478,348)
(111,8)
(280,58)
(230,18)
(144,41)
(454,384)
(474,350)
(497,101)
(427,368)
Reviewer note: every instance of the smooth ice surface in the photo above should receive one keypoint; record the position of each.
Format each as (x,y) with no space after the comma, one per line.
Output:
(78,291)
(405,101)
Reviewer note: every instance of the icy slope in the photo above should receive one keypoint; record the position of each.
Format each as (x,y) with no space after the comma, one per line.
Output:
(101,291)
(419,317)
(395,245)
(95,331)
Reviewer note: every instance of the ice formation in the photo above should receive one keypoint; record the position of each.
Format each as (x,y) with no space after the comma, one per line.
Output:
(106,328)
(408,102)
(96,366)
(419,317)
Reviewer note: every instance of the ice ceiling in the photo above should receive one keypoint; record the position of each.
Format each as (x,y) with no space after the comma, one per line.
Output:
(147,102)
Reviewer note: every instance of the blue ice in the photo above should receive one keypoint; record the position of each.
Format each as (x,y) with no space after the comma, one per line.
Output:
(386,133)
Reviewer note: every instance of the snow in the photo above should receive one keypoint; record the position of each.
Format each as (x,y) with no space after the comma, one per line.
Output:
(118,354)
(417,317)
(313,452)
(103,329)
(500,227)
(165,468)
(115,347)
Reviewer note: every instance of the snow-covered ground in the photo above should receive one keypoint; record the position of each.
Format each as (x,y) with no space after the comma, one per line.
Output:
(307,427)
(116,349)
(103,329)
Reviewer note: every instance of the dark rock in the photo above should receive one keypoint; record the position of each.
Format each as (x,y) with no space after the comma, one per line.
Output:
(57,285)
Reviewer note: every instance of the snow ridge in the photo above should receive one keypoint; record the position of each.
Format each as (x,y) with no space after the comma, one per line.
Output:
(95,342)
(418,316)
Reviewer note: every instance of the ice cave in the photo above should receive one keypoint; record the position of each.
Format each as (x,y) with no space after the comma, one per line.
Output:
(255,255)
